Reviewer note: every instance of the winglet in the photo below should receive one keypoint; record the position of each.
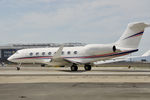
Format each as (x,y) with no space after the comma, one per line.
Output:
(59,52)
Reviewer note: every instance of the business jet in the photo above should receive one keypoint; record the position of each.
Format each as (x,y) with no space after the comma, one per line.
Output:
(83,55)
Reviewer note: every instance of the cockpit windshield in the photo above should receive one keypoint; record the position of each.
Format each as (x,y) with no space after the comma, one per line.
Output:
(17,52)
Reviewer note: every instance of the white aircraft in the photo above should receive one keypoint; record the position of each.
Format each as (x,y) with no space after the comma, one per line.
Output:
(84,55)
(118,59)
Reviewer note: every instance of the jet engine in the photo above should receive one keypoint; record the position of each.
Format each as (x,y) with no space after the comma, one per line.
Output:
(114,48)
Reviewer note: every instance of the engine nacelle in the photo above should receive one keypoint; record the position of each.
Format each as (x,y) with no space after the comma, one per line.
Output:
(100,49)
(114,48)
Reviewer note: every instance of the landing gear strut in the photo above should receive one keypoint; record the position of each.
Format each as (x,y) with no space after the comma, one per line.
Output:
(87,67)
(74,67)
(18,67)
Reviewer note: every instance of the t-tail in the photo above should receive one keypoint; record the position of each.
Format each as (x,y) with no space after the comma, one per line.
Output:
(132,36)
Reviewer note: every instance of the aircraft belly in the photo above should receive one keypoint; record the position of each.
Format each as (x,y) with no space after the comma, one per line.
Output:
(88,60)
(56,63)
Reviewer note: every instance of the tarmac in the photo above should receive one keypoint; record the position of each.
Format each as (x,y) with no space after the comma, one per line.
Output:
(102,83)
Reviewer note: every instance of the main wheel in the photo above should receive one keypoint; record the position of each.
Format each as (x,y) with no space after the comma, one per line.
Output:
(87,67)
(74,68)
(42,65)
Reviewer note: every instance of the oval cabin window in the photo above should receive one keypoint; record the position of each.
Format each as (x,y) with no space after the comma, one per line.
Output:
(31,54)
(49,53)
(75,52)
(68,52)
(43,53)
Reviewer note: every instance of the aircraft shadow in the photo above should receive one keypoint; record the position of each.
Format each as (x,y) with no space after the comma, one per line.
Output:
(123,70)
(79,71)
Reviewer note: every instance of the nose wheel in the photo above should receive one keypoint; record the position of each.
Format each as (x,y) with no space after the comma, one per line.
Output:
(18,67)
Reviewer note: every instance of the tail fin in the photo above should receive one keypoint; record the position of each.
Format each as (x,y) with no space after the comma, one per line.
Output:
(132,35)
(146,53)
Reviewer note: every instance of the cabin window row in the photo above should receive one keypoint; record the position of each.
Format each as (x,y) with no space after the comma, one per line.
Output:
(50,53)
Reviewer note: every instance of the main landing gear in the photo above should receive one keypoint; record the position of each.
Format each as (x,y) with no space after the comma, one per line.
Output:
(87,67)
(74,67)
(42,65)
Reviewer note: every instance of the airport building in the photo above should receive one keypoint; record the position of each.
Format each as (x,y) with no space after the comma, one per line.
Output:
(7,50)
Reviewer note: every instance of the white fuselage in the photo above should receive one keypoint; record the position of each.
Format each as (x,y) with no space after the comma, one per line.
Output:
(82,55)
(87,55)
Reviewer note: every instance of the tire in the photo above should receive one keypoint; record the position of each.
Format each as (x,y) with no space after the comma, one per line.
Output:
(42,65)
(18,68)
(87,67)
(74,68)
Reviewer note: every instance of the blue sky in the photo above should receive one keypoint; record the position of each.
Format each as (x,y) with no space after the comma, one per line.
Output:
(61,21)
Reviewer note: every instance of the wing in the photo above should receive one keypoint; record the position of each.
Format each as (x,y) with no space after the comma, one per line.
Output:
(115,60)
(57,57)
(121,59)
(109,61)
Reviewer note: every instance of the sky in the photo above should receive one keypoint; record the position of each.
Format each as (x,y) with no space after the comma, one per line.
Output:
(62,21)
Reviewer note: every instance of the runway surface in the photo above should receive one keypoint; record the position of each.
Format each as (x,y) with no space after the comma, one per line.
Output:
(98,74)
(57,71)
(111,83)
(75,91)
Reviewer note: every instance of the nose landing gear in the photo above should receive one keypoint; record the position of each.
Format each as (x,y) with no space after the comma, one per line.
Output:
(18,67)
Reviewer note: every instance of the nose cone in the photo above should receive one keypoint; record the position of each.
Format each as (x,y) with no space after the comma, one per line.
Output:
(10,59)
